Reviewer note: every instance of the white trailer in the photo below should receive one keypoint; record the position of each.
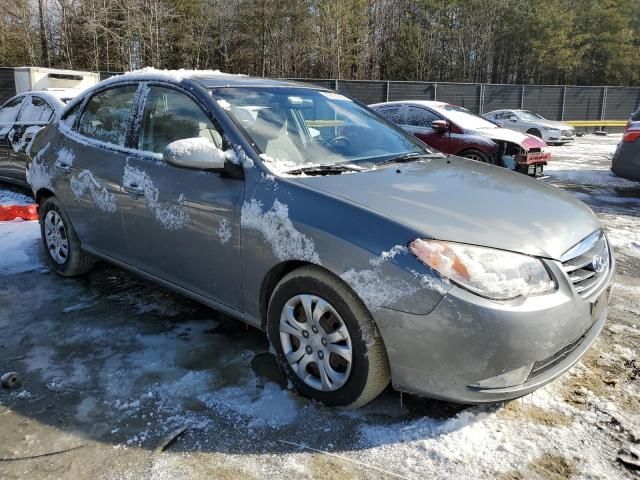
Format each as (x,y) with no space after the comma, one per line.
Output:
(36,78)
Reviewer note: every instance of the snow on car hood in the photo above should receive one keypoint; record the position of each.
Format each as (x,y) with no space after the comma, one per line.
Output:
(506,135)
(554,124)
(465,201)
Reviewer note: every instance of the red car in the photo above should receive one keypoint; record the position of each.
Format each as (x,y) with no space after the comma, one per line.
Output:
(457,131)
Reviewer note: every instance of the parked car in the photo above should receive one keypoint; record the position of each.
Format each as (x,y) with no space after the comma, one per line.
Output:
(364,255)
(21,117)
(626,159)
(457,131)
(535,124)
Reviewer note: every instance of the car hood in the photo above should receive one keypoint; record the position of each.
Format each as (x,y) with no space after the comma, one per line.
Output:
(506,135)
(554,124)
(467,201)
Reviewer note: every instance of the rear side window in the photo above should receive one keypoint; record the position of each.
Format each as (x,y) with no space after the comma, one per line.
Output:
(36,110)
(393,114)
(419,117)
(70,116)
(107,114)
(170,115)
(9,112)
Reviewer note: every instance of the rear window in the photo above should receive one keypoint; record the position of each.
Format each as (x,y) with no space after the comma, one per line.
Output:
(464,117)
(36,110)
(9,112)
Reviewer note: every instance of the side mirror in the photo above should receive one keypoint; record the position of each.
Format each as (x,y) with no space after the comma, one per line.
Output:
(197,152)
(440,126)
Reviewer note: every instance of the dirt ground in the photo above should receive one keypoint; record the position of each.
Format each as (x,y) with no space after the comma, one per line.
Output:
(112,366)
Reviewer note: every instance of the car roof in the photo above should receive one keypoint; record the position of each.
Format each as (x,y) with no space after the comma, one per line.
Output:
(422,103)
(206,78)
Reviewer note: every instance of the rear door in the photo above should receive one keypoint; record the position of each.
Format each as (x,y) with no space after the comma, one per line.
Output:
(8,115)
(183,225)
(89,165)
(35,114)
(417,120)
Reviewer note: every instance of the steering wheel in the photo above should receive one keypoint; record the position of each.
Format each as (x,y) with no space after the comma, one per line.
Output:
(335,141)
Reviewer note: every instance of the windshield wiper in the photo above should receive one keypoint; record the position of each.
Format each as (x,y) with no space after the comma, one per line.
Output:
(410,157)
(325,170)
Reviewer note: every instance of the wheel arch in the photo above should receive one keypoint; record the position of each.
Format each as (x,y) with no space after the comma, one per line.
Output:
(43,194)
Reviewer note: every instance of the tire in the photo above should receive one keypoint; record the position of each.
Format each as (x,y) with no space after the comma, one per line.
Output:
(348,385)
(57,231)
(475,155)
(535,132)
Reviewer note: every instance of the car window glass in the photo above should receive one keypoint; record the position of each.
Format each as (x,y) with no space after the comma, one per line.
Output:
(71,115)
(9,112)
(394,114)
(106,115)
(36,110)
(169,116)
(419,117)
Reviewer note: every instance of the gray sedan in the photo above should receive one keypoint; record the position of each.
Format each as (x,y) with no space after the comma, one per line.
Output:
(365,256)
(626,159)
(535,124)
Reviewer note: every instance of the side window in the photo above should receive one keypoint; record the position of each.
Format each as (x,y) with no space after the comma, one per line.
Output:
(106,115)
(169,116)
(9,112)
(393,114)
(36,110)
(70,116)
(419,117)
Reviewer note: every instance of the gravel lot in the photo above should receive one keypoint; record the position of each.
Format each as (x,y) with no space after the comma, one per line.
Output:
(112,365)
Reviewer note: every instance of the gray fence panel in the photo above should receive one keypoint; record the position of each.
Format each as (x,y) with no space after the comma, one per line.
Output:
(462,94)
(497,97)
(320,83)
(411,91)
(545,100)
(364,91)
(7,84)
(583,103)
(621,102)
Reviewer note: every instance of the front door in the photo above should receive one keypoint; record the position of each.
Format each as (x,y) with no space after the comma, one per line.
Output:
(418,121)
(182,225)
(89,165)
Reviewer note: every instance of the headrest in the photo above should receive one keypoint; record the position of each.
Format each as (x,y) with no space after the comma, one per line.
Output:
(269,122)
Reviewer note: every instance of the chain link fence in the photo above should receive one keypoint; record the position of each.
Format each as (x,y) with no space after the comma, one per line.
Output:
(555,102)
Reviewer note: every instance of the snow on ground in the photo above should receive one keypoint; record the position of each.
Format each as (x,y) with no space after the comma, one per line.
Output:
(114,364)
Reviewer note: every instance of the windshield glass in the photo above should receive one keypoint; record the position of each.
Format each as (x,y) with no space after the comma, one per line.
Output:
(529,116)
(299,127)
(464,117)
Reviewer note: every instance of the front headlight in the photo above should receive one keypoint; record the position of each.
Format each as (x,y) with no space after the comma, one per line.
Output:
(550,129)
(487,272)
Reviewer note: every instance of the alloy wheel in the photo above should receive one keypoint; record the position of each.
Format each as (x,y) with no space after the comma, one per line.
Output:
(316,342)
(56,237)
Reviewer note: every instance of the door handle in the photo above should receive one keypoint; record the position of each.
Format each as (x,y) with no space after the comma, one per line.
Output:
(133,189)
(62,167)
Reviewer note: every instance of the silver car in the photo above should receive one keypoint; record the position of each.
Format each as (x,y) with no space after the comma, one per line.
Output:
(532,123)
(365,256)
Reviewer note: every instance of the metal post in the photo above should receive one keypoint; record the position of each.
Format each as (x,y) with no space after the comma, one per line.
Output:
(336,84)
(564,96)
(522,98)
(603,110)
(388,83)
(482,86)
(435,91)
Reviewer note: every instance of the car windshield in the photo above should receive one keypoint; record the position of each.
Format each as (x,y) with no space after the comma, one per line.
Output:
(528,116)
(464,117)
(299,127)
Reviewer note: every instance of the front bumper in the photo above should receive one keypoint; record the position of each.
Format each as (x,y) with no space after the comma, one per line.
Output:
(474,350)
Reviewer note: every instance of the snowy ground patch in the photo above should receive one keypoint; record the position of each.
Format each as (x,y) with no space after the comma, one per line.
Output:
(20,247)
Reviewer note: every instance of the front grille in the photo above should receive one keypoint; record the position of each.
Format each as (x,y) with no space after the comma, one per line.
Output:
(587,264)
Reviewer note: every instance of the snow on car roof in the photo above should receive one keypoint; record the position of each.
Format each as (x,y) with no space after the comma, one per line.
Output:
(424,103)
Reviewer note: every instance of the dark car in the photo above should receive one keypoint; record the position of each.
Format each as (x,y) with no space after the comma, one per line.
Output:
(457,131)
(21,117)
(626,159)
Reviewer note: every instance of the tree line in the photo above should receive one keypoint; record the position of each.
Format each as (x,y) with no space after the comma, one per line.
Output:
(584,42)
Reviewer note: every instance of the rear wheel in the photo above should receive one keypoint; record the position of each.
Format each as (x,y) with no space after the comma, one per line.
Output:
(326,340)
(61,244)
(475,155)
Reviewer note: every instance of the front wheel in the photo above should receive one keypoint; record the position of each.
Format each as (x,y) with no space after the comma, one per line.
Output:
(326,340)
(475,155)
(61,244)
